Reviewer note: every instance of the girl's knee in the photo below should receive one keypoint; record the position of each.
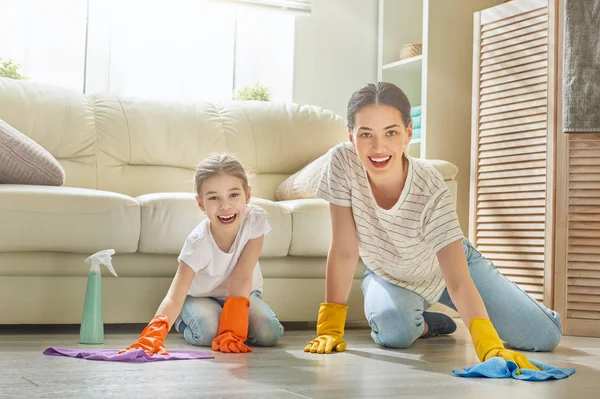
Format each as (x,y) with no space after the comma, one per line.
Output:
(200,332)
(393,330)
(266,333)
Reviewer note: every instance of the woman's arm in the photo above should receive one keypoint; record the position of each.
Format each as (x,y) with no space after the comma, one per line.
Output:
(460,286)
(469,304)
(240,281)
(343,255)
(173,302)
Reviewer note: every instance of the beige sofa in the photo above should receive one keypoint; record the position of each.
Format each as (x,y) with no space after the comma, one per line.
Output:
(129,186)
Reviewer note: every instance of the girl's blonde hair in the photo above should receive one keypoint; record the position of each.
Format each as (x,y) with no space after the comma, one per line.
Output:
(215,164)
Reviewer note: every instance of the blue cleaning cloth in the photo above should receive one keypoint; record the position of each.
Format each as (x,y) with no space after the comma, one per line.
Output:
(497,367)
(416,134)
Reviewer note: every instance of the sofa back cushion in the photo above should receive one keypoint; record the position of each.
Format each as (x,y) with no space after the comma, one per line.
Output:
(148,147)
(136,147)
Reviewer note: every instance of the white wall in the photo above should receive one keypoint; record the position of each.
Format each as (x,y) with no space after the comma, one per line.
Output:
(449,90)
(335,52)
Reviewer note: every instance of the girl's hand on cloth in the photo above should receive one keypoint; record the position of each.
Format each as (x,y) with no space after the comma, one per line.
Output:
(488,345)
(233,327)
(151,340)
(330,329)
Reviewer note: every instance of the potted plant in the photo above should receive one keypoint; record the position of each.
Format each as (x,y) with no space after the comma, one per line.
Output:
(8,69)
(257,92)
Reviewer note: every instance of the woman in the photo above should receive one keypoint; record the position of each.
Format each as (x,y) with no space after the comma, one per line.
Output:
(397,214)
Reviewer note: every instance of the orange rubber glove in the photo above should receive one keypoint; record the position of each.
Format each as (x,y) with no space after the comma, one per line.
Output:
(488,345)
(233,327)
(330,329)
(151,340)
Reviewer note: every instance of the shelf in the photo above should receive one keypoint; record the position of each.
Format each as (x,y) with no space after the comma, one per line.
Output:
(407,75)
(406,63)
(416,141)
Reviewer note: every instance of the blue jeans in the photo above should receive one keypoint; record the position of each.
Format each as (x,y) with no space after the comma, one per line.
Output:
(199,321)
(395,314)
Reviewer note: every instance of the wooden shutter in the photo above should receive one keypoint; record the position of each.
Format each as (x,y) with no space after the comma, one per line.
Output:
(509,165)
(583,249)
(578,234)
(577,285)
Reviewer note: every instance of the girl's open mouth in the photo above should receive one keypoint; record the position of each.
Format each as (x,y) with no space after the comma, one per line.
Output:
(228,219)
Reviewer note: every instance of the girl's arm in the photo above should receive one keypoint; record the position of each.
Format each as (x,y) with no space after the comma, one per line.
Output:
(461,288)
(343,255)
(240,281)
(151,340)
(173,302)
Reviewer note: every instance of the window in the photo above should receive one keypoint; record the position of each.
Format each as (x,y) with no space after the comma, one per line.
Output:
(175,50)
(265,50)
(47,38)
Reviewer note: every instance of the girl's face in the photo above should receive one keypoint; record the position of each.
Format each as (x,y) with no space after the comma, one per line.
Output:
(380,138)
(224,200)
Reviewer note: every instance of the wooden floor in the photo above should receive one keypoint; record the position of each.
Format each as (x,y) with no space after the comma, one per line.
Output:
(363,371)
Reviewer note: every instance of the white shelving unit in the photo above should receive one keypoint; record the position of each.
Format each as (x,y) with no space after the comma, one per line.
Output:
(414,62)
(439,80)
(401,22)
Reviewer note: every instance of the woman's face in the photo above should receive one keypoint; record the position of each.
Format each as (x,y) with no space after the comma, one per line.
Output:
(380,138)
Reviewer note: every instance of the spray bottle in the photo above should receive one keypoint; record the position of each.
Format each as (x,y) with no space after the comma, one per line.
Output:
(92,323)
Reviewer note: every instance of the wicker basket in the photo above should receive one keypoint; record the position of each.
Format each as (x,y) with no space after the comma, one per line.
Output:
(411,50)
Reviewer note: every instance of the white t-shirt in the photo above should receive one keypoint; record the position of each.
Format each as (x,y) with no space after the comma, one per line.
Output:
(213,266)
(399,244)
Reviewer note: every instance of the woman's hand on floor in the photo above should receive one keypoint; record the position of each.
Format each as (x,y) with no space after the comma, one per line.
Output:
(330,329)
(516,357)
(488,345)
(325,344)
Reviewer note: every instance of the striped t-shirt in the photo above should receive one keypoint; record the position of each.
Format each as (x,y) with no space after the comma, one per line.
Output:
(398,244)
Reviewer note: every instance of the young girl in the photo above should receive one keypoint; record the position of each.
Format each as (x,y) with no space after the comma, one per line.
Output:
(397,214)
(216,291)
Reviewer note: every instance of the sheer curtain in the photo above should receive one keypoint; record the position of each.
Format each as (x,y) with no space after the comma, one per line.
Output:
(167,50)
(47,38)
(265,50)
(176,50)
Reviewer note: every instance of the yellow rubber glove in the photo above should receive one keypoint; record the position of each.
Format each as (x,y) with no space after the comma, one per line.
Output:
(330,329)
(488,345)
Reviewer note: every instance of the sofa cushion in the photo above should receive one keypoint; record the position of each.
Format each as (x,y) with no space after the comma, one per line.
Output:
(23,161)
(311,227)
(65,219)
(446,169)
(168,218)
(304,183)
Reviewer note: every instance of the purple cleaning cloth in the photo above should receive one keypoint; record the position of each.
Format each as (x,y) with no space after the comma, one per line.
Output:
(138,355)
